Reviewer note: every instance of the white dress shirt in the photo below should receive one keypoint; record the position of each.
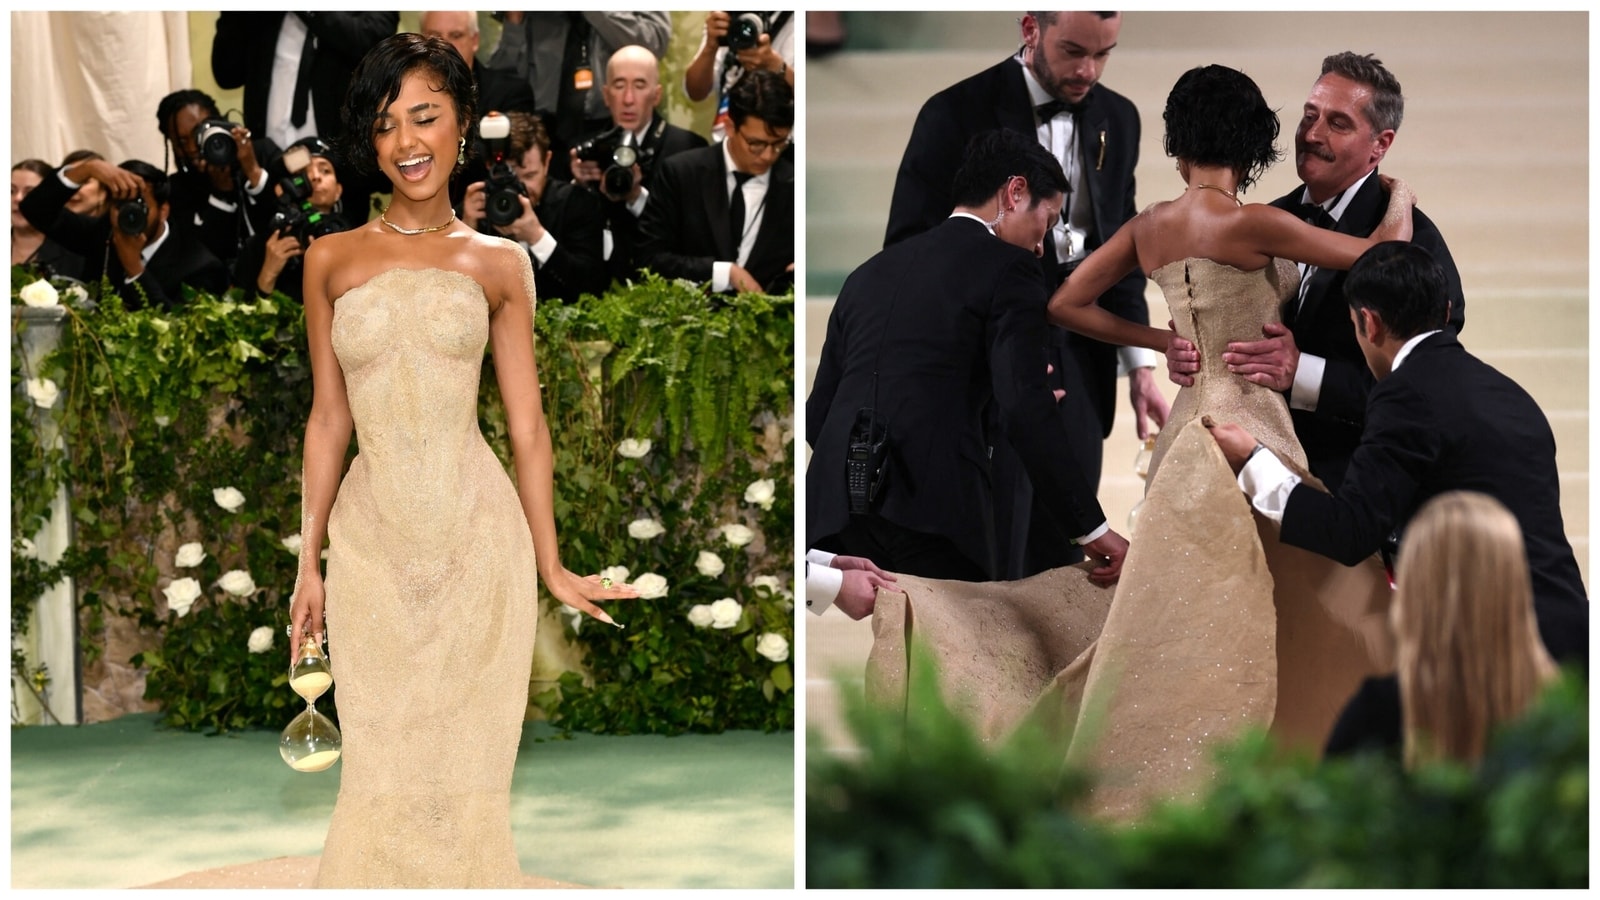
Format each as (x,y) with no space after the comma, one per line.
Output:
(755,203)
(1307,387)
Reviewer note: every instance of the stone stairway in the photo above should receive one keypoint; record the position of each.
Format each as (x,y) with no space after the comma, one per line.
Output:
(1495,143)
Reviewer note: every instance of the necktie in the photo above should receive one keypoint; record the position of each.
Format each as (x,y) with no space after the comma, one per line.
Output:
(1049,110)
(736,210)
(1316,215)
(302,82)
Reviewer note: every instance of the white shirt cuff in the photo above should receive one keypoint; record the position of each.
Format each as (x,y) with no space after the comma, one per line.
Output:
(1307,387)
(1130,358)
(1268,483)
(542,248)
(822,587)
(637,206)
(1094,535)
(721,273)
(260,185)
(820,557)
(221,204)
(62,174)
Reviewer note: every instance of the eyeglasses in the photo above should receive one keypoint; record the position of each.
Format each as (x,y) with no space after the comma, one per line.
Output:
(761,147)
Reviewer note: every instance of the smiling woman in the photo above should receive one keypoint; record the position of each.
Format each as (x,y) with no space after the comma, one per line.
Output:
(425,518)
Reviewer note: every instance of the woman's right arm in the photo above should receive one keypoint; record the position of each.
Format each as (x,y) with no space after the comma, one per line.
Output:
(1276,232)
(327,438)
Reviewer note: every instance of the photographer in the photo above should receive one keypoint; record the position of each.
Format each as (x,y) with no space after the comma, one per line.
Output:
(736,43)
(632,92)
(132,244)
(219,191)
(559,225)
(308,207)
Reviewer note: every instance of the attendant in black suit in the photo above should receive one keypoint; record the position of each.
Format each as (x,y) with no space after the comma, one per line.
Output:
(154,263)
(560,226)
(1049,89)
(1345,130)
(632,93)
(1438,420)
(930,333)
(688,229)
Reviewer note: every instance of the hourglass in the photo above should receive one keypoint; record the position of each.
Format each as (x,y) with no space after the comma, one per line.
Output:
(310,743)
(1141,468)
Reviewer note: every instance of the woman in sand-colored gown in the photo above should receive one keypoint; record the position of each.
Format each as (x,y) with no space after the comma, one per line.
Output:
(1213,627)
(434,556)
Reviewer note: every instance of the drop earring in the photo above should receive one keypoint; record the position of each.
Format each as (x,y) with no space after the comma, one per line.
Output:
(461,154)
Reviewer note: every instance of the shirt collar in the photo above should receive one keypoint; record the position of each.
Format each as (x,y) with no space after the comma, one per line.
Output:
(1037,95)
(1405,350)
(151,248)
(1338,203)
(959,214)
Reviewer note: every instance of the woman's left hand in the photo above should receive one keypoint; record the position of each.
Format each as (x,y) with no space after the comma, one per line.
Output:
(577,592)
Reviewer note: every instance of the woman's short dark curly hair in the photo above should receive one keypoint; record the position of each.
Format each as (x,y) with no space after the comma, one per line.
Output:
(376,83)
(1216,116)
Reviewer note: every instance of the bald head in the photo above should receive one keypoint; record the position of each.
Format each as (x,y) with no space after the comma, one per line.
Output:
(459,27)
(633,86)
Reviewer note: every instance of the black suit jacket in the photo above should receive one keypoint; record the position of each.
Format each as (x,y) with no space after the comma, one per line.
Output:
(685,225)
(243,49)
(1108,141)
(1321,326)
(576,219)
(1446,421)
(951,320)
(662,142)
(197,213)
(179,261)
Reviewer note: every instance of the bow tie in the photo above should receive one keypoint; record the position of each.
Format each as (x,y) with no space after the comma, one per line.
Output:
(1053,108)
(1316,215)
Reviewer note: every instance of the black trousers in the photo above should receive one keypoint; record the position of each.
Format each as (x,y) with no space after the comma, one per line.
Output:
(899,549)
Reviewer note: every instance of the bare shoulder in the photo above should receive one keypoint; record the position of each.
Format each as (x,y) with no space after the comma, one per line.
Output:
(503,268)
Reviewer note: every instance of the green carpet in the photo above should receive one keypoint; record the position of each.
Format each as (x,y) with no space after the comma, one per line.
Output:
(124,803)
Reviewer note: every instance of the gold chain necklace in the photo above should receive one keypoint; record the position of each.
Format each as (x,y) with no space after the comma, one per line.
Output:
(1212,187)
(384,218)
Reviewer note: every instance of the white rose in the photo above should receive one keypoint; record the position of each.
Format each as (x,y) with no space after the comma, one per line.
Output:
(708,564)
(617,574)
(26,548)
(633,449)
(773,647)
(770,582)
(40,293)
(228,498)
(650,586)
(189,556)
(573,613)
(293,542)
(43,392)
(237,582)
(725,613)
(261,639)
(181,595)
(76,293)
(163,421)
(645,529)
(737,535)
(700,615)
(761,492)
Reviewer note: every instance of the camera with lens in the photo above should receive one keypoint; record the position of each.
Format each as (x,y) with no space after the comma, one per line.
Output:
(296,216)
(214,138)
(618,150)
(503,190)
(133,216)
(744,30)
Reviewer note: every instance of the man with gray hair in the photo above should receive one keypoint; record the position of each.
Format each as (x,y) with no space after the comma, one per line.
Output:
(1346,128)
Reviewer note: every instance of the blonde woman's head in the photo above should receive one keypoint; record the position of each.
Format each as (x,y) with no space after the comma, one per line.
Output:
(1469,654)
